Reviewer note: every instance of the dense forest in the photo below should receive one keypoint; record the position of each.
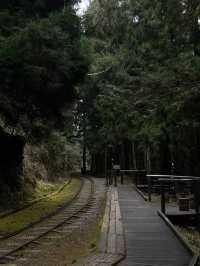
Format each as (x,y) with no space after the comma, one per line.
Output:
(122,82)
(143,109)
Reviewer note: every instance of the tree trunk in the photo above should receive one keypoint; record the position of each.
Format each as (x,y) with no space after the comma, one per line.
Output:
(122,157)
(165,156)
(134,156)
(84,159)
(106,161)
(11,164)
(92,167)
(148,158)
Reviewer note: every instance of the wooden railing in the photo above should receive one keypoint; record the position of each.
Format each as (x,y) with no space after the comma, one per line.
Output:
(111,175)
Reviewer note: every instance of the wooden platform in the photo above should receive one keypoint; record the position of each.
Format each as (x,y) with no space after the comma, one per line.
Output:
(149,241)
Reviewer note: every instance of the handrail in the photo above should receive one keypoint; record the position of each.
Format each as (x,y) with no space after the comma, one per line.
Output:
(168,178)
(176,179)
(123,171)
(175,176)
(132,171)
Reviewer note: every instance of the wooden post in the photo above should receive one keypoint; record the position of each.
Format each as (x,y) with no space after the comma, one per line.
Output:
(84,159)
(136,179)
(163,209)
(122,178)
(122,159)
(106,173)
(196,198)
(116,170)
(111,177)
(149,188)
(148,168)
(115,177)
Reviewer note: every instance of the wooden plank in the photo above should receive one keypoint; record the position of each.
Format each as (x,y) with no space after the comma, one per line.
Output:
(111,245)
(111,248)
(120,245)
(105,226)
(112,233)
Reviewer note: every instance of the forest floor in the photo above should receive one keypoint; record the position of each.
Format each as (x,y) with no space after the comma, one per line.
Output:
(156,197)
(193,237)
(21,219)
(42,188)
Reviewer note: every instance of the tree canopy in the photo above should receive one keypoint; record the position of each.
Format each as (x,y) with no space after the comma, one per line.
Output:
(41,62)
(150,95)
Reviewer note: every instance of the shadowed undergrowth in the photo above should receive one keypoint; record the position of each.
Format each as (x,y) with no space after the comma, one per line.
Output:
(193,236)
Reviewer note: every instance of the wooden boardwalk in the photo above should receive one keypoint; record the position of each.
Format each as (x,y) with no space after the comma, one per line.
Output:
(149,241)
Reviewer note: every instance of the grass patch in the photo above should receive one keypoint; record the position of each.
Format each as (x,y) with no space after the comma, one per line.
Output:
(39,210)
(42,189)
(193,237)
(156,198)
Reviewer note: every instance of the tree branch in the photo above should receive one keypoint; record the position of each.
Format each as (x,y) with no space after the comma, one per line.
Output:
(99,73)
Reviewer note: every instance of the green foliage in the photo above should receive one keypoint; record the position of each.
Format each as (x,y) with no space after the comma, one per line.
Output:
(43,57)
(40,65)
(62,155)
(151,92)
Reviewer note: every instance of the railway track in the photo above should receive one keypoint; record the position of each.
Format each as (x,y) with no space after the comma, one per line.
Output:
(82,201)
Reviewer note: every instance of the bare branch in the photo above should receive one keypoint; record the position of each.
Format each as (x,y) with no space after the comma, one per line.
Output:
(99,73)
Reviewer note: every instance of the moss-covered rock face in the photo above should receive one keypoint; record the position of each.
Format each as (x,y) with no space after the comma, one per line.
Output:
(51,160)
(34,165)
(11,164)
(23,164)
